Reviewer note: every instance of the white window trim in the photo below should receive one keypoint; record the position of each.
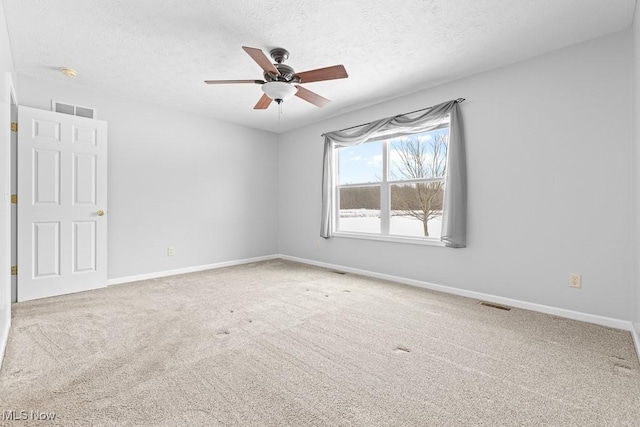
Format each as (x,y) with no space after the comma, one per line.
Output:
(426,241)
(385,201)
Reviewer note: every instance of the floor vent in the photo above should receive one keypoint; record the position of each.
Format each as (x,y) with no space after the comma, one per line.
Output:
(74,110)
(498,306)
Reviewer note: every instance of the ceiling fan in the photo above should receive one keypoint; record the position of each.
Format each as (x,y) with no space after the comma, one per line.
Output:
(281,82)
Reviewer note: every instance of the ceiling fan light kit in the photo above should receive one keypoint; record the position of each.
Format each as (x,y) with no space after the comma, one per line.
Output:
(279,91)
(281,81)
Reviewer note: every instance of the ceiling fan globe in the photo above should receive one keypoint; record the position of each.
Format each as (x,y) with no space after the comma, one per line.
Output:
(279,91)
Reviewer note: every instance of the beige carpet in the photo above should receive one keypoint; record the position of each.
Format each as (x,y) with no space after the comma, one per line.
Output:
(283,344)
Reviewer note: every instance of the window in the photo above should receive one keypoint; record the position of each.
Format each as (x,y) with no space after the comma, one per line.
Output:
(393,187)
(398,178)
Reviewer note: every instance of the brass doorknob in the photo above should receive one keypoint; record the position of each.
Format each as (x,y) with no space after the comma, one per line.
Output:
(100,212)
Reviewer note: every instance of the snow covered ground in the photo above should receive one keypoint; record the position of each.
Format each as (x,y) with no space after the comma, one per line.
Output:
(368,221)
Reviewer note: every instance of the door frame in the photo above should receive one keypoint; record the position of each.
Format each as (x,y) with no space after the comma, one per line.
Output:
(13,168)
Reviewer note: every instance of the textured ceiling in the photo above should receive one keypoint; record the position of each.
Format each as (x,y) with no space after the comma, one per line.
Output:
(160,51)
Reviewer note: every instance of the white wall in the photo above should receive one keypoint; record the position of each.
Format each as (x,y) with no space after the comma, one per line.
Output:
(205,187)
(549,143)
(6,67)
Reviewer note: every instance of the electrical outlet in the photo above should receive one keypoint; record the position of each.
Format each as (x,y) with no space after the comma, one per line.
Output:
(575,280)
(170,251)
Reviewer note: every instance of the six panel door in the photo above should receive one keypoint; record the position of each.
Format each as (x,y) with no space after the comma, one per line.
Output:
(62,204)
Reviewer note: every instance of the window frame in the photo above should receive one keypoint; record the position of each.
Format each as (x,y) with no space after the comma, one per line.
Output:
(385,195)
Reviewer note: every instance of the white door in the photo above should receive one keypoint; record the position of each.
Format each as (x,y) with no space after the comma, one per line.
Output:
(62,203)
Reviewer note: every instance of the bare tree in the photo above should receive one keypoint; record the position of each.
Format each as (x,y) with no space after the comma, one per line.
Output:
(417,160)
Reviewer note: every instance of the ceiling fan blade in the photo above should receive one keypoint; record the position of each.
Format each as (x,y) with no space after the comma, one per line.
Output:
(320,74)
(311,97)
(224,82)
(261,59)
(263,103)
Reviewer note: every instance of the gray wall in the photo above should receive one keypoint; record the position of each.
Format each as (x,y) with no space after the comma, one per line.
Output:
(550,166)
(6,67)
(205,187)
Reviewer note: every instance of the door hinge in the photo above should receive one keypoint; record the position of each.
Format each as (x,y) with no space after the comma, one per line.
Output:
(14,270)
(14,199)
(14,127)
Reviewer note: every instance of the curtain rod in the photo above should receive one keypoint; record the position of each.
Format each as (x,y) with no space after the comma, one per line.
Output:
(459,101)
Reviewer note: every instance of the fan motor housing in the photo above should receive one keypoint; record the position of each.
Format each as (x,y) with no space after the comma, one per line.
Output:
(287,74)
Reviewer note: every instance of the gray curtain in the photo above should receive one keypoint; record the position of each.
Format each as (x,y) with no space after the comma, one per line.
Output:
(454,221)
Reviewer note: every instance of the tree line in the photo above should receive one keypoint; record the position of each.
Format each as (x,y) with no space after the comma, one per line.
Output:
(403,197)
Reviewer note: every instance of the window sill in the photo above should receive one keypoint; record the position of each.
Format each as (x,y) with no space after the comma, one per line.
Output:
(394,239)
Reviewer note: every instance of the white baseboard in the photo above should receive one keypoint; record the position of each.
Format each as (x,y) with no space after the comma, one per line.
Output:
(155,275)
(575,315)
(4,339)
(635,333)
